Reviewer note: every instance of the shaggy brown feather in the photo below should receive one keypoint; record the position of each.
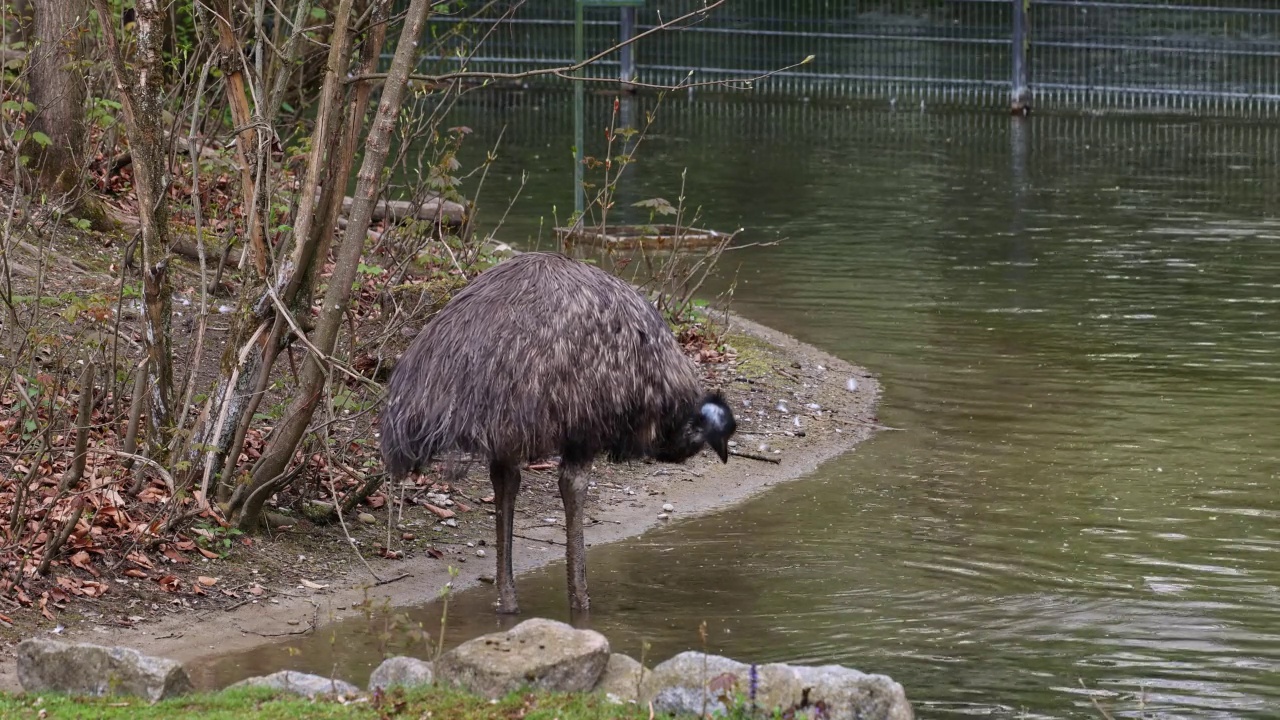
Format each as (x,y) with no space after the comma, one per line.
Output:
(540,355)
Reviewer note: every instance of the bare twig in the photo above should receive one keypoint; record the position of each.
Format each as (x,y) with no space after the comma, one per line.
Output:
(754,456)
(157,467)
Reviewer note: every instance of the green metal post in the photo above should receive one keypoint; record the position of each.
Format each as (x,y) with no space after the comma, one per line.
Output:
(1020,99)
(579,54)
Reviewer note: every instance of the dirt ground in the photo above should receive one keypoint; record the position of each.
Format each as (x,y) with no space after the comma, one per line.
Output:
(796,406)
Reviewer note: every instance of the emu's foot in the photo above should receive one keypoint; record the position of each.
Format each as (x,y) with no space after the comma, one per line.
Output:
(506,607)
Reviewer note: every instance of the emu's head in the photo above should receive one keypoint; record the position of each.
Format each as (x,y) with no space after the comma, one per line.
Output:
(710,423)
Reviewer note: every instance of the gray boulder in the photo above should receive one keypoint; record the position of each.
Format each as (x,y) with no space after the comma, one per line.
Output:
(84,669)
(539,653)
(622,679)
(402,671)
(683,683)
(300,683)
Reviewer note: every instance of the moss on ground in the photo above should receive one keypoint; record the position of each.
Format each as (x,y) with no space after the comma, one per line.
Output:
(756,358)
(266,704)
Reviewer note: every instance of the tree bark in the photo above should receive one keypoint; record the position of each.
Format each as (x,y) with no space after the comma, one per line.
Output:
(59,92)
(247,150)
(286,437)
(142,96)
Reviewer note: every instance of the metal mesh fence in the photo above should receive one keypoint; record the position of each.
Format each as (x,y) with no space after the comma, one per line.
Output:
(1151,54)
(1159,55)
(1197,165)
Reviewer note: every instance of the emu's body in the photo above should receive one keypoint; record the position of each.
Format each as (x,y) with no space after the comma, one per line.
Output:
(543,355)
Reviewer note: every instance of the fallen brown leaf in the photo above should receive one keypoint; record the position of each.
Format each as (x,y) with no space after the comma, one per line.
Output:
(443,513)
(138,558)
(175,556)
(92,588)
(82,561)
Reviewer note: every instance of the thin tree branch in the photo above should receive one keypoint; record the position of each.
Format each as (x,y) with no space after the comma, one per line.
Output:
(467,75)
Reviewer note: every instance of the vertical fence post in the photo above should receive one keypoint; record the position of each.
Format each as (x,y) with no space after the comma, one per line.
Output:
(1020,98)
(579,54)
(626,56)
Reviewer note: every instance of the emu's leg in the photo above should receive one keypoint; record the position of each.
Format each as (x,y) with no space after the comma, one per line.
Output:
(506,484)
(573,492)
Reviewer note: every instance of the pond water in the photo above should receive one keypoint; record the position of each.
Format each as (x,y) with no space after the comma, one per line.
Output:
(1076,321)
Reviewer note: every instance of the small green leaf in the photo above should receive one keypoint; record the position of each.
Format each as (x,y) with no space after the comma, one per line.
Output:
(29,426)
(41,139)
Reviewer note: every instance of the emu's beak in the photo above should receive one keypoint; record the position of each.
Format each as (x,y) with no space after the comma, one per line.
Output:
(721,446)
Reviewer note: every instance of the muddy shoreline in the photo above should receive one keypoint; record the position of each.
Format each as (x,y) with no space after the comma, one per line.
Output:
(830,408)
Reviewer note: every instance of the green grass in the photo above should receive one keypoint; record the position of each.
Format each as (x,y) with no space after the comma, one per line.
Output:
(274,705)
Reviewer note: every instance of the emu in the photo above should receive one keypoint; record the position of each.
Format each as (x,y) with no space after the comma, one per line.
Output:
(543,355)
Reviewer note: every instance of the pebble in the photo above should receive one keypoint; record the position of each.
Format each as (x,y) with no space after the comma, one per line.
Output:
(367,519)
(550,521)
(821,368)
(733,443)
(814,406)
(668,507)
(663,516)
(451,523)
(781,407)
(408,536)
(480,553)
(851,385)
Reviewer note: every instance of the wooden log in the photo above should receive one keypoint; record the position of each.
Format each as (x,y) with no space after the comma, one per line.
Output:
(437,208)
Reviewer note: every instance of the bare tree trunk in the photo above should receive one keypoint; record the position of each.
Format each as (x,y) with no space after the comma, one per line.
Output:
(286,437)
(251,352)
(142,95)
(58,91)
(332,193)
(247,144)
(326,134)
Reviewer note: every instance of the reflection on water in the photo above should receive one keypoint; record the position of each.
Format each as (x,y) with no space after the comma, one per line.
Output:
(1075,321)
